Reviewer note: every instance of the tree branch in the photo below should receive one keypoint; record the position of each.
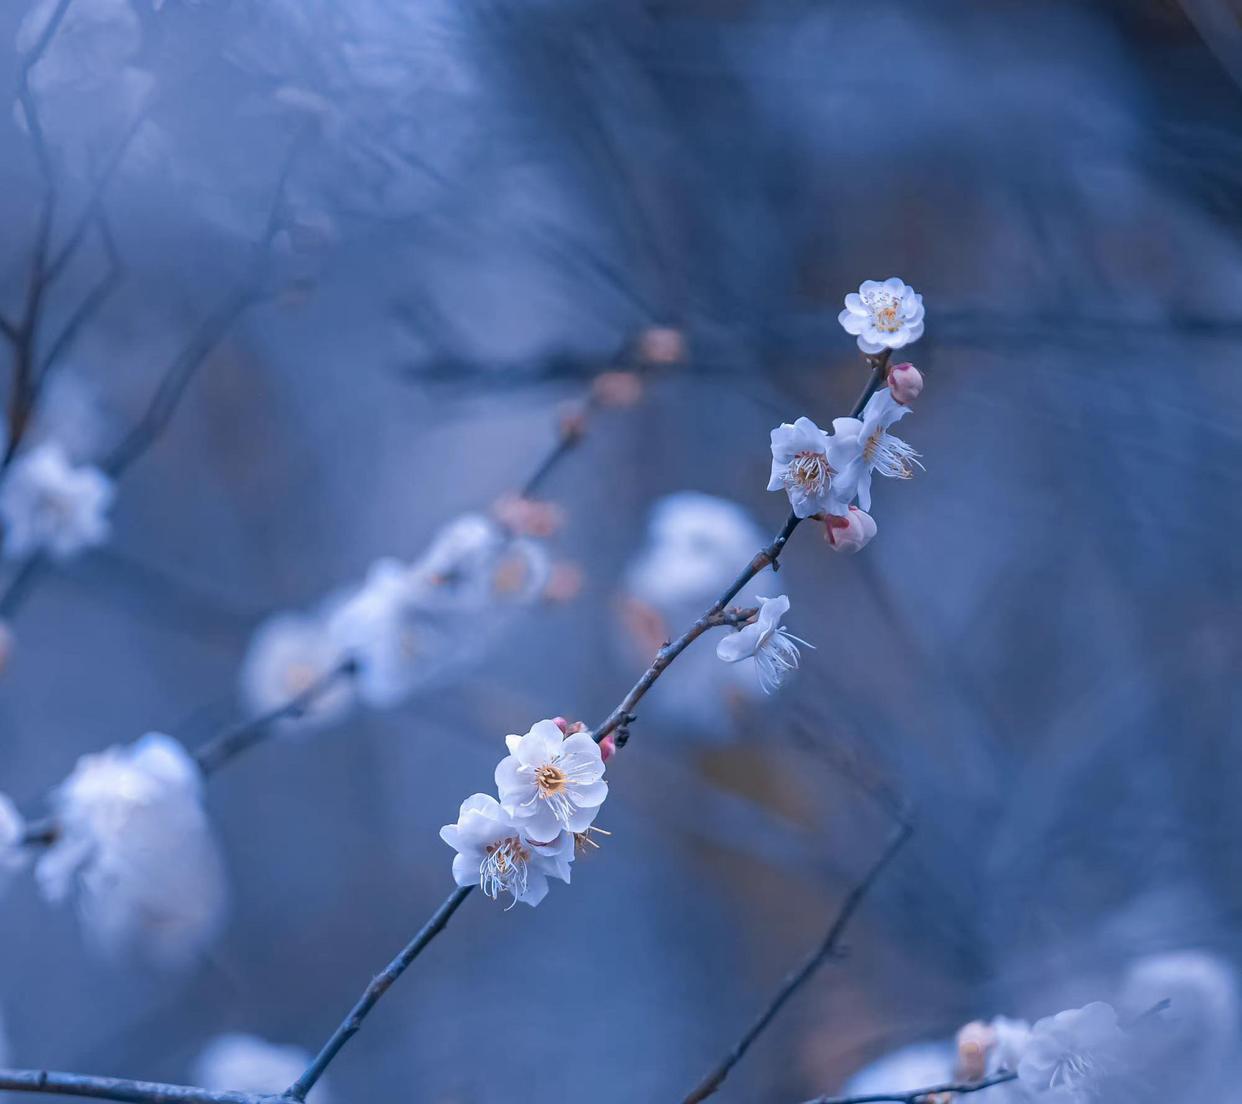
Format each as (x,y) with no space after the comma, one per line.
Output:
(919,1096)
(120,1088)
(826,949)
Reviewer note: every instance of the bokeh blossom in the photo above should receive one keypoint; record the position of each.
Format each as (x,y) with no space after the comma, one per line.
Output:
(50,505)
(289,654)
(236,1062)
(1069,1054)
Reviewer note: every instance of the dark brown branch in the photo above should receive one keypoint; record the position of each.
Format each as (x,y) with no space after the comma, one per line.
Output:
(826,949)
(919,1096)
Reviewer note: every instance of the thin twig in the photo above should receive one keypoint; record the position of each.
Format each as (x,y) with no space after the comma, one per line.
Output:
(120,1088)
(826,949)
(380,984)
(918,1096)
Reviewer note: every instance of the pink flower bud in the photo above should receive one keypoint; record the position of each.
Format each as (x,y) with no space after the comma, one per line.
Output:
(561,723)
(850,533)
(608,747)
(905,381)
(974,1041)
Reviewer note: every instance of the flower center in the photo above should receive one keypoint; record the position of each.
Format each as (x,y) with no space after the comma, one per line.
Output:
(811,471)
(503,869)
(550,780)
(885,310)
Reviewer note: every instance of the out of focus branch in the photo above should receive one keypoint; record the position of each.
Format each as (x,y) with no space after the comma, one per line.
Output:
(920,1096)
(826,950)
(119,1088)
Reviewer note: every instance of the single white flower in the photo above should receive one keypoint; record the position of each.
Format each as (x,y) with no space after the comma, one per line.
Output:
(473,564)
(1067,1054)
(872,448)
(495,853)
(288,654)
(774,650)
(245,1063)
(12,831)
(549,781)
(1010,1039)
(134,842)
(886,315)
(376,625)
(49,505)
(807,465)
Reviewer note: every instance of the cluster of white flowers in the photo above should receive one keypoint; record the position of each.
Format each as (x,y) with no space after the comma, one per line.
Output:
(50,505)
(134,848)
(550,787)
(403,627)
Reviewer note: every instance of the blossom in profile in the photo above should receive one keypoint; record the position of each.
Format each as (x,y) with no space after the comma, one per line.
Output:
(495,852)
(773,649)
(289,654)
(12,831)
(872,448)
(886,315)
(1068,1055)
(550,782)
(850,532)
(807,465)
(236,1062)
(376,626)
(135,849)
(48,504)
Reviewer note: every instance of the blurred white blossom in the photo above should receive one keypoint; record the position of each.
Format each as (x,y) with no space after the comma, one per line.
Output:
(872,448)
(49,505)
(12,830)
(886,315)
(474,564)
(289,653)
(236,1062)
(1067,1055)
(549,781)
(904,1070)
(773,649)
(808,465)
(494,853)
(135,844)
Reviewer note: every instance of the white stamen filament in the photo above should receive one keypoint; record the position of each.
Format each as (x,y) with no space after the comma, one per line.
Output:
(810,470)
(776,657)
(503,869)
(890,455)
(554,785)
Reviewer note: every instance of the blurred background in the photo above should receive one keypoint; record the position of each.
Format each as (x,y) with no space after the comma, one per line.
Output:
(483,206)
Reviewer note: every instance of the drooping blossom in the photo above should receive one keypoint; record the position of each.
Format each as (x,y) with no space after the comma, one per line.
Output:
(135,848)
(495,852)
(377,626)
(12,829)
(551,782)
(807,464)
(905,381)
(886,315)
(872,448)
(851,532)
(236,1062)
(774,650)
(50,505)
(1068,1055)
(289,654)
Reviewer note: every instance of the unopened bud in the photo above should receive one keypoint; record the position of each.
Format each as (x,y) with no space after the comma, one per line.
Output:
(661,345)
(851,532)
(905,381)
(973,1043)
(617,388)
(608,747)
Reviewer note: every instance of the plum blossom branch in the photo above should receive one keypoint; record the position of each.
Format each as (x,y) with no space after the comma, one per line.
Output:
(119,1088)
(919,1096)
(827,948)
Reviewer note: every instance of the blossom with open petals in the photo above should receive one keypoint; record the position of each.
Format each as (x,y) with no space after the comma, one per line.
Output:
(886,315)
(133,841)
(50,505)
(289,654)
(774,650)
(495,852)
(1067,1054)
(549,782)
(807,465)
(872,447)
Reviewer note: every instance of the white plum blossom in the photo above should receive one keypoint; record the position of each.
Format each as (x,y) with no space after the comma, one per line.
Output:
(289,654)
(12,830)
(48,504)
(807,465)
(134,842)
(495,853)
(376,625)
(872,448)
(551,782)
(774,650)
(1068,1054)
(236,1062)
(886,315)
(473,563)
